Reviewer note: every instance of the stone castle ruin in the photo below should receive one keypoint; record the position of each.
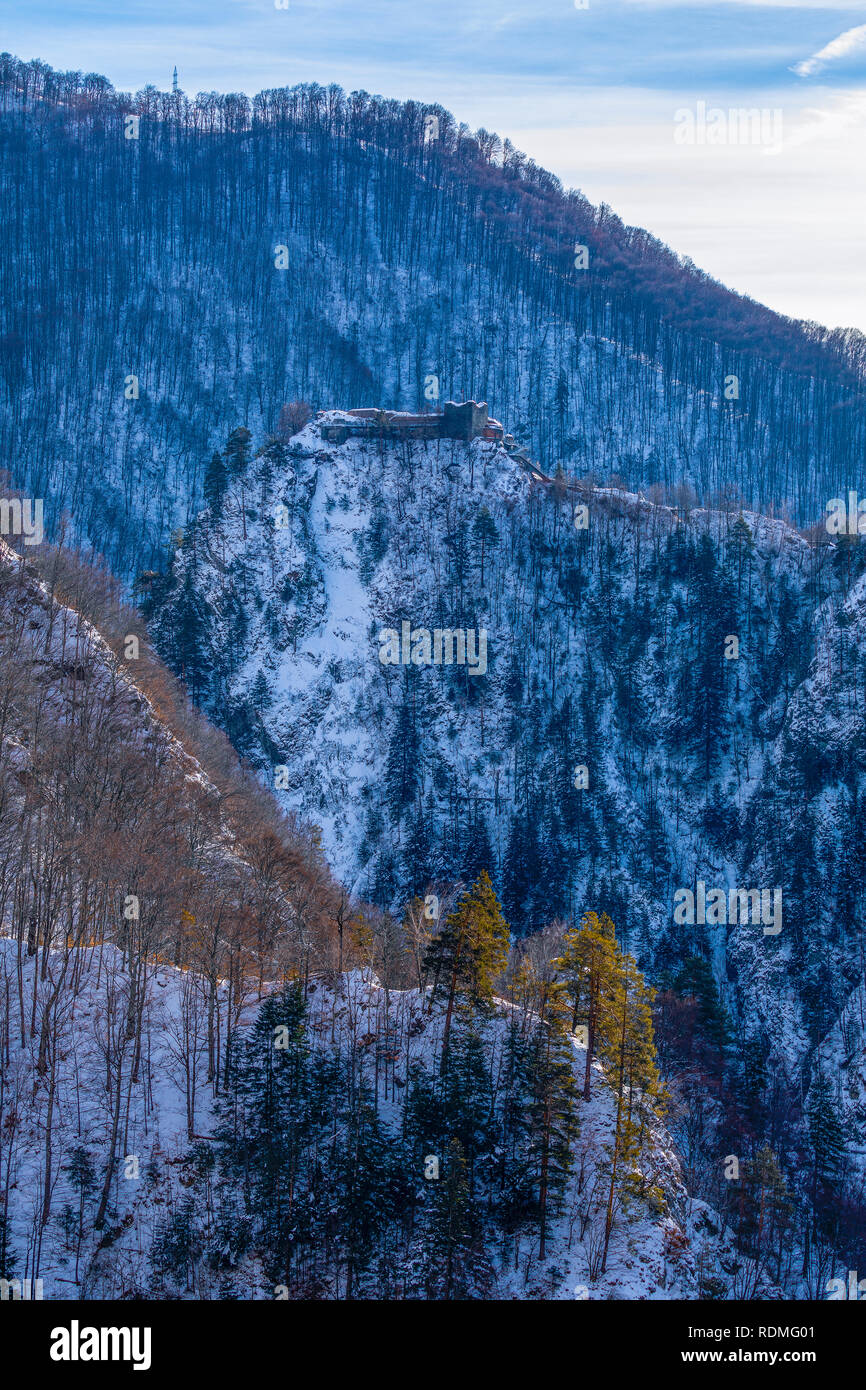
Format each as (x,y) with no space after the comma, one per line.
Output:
(464,420)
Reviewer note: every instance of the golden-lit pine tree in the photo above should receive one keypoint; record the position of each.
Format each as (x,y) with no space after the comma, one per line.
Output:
(589,966)
(628,1051)
(471,951)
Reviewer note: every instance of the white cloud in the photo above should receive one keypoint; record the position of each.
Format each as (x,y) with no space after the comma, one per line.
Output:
(846,114)
(841,47)
(785,230)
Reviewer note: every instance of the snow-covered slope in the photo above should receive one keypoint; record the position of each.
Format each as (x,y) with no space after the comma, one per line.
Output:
(129,839)
(657,1238)
(154,1136)
(608,620)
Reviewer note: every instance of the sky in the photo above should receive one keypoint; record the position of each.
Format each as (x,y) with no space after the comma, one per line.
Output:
(633,101)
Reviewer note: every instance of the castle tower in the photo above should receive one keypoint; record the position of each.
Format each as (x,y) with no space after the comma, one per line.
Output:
(463,420)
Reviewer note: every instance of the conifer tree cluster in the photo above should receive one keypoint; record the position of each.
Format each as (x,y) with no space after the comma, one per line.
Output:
(469,1172)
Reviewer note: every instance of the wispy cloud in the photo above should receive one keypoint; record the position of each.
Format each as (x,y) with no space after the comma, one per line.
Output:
(829,123)
(850,42)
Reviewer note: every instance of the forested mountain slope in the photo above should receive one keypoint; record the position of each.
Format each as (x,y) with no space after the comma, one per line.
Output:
(610,753)
(157,1142)
(656,694)
(128,838)
(308,1172)
(606,618)
(233,255)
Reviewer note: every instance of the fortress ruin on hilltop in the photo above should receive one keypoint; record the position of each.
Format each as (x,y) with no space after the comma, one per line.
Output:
(464,420)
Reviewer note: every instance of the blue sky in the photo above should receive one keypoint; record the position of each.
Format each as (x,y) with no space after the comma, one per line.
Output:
(591,93)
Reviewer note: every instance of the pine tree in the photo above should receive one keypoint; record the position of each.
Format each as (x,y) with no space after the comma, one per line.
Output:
(561,403)
(516,1200)
(628,1050)
(826,1136)
(478,854)
(237,453)
(470,952)
(7,1254)
(522,870)
(454,1229)
(237,457)
(261,696)
(82,1175)
(267,1123)
(403,766)
(753,1053)
(176,1246)
(190,630)
(466,1099)
(740,550)
(215,483)
(552,1108)
(365,1186)
(696,979)
(765,1210)
(418,859)
(589,966)
(486,537)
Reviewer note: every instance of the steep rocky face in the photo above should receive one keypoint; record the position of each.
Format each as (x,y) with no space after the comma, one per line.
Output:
(146,909)
(654,703)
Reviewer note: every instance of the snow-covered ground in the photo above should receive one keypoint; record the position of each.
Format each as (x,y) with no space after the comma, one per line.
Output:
(153,1134)
(653,1251)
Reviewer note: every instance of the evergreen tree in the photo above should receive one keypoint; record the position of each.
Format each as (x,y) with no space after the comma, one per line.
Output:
(470,951)
(176,1246)
(365,1188)
(419,858)
(628,1049)
(515,1168)
(237,452)
(696,980)
(82,1175)
(7,1254)
(740,551)
(720,821)
(478,855)
(561,402)
(261,697)
(589,965)
(190,656)
(552,1107)
(215,479)
(403,770)
(765,1210)
(486,537)
(454,1247)
(275,1110)
(522,870)
(466,1098)
(753,1055)
(826,1136)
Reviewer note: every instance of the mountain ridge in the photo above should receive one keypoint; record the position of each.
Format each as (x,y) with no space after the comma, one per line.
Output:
(239,254)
